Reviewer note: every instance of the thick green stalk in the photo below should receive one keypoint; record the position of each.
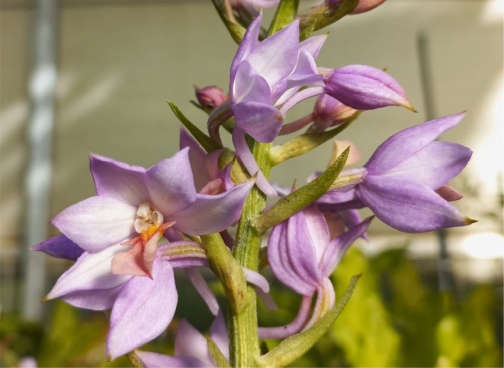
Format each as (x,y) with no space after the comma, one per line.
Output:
(244,342)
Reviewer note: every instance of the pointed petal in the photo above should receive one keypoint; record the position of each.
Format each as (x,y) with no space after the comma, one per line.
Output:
(313,45)
(204,166)
(249,86)
(260,121)
(203,289)
(249,41)
(91,271)
(171,184)
(97,222)
(248,160)
(190,342)
(213,213)
(60,247)
(119,180)
(408,206)
(337,247)
(275,57)
(407,142)
(154,360)
(434,165)
(98,300)
(142,311)
(219,334)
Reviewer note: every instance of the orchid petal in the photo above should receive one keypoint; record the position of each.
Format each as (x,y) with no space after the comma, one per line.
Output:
(249,41)
(219,334)
(261,121)
(213,213)
(202,166)
(142,311)
(203,289)
(337,247)
(101,299)
(171,183)
(249,86)
(408,206)
(317,230)
(313,45)
(448,193)
(190,342)
(282,265)
(119,180)
(97,222)
(91,271)
(276,56)
(154,360)
(434,165)
(407,142)
(60,247)
(248,160)
(129,262)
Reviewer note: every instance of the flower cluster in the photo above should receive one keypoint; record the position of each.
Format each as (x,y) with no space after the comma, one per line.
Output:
(143,223)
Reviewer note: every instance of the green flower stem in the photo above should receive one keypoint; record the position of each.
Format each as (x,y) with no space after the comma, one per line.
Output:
(244,342)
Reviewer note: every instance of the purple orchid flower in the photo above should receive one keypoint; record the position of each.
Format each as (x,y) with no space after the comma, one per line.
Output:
(302,255)
(132,200)
(404,182)
(191,348)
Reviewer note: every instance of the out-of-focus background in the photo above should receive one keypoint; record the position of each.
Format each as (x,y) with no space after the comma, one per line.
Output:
(80,76)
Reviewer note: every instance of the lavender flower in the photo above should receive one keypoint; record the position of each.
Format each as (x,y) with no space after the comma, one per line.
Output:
(400,181)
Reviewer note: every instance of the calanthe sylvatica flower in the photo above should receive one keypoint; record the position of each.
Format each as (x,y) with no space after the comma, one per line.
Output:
(191,347)
(303,252)
(404,182)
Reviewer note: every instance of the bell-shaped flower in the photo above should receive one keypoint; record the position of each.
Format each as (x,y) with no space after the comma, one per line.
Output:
(405,181)
(363,87)
(302,256)
(191,347)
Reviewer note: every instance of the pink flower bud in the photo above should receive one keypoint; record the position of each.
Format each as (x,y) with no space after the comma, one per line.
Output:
(329,112)
(210,97)
(366,5)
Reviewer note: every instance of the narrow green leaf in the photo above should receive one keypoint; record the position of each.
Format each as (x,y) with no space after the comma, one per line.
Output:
(235,30)
(324,15)
(218,357)
(305,142)
(301,198)
(295,346)
(285,15)
(206,142)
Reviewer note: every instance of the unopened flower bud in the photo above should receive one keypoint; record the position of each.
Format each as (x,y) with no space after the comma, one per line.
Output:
(329,112)
(366,5)
(210,97)
(364,87)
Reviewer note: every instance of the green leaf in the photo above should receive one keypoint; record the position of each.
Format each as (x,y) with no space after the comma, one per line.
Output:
(295,346)
(301,198)
(305,143)
(324,15)
(206,142)
(235,30)
(218,357)
(285,15)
